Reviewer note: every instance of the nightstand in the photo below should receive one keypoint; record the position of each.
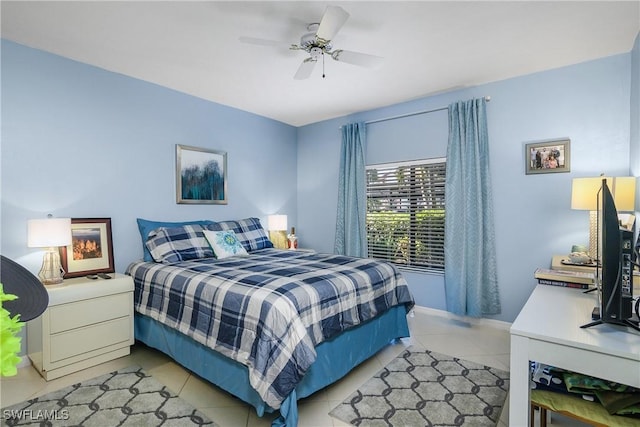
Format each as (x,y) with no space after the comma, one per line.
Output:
(87,322)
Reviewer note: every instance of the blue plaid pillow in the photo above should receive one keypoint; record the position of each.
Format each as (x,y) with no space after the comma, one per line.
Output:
(249,231)
(146,226)
(169,245)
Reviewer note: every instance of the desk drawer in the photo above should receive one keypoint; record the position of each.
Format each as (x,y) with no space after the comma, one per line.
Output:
(74,315)
(83,340)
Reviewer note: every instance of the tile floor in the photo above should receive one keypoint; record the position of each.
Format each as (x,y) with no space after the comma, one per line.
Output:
(483,344)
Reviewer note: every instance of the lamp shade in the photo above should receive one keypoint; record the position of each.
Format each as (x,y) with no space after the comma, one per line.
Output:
(277,222)
(584,192)
(624,193)
(48,232)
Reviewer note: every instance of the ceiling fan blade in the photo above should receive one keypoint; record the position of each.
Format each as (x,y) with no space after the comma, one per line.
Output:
(332,20)
(357,58)
(263,42)
(305,69)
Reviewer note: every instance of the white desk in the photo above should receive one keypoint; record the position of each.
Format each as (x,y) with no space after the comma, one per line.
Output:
(547,330)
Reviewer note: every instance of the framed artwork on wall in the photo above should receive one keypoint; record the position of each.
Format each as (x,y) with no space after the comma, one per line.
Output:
(91,249)
(201,176)
(550,156)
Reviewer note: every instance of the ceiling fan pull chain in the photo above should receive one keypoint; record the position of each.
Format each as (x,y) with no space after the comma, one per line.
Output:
(323,65)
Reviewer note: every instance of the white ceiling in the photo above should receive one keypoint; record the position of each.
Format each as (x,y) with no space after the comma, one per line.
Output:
(428,46)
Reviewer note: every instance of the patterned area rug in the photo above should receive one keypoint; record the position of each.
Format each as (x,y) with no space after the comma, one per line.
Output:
(424,388)
(128,397)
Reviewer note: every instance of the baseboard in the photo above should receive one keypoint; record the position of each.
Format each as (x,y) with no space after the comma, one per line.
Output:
(24,362)
(498,324)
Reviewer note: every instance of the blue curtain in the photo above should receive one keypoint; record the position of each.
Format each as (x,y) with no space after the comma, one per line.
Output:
(351,231)
(470,274)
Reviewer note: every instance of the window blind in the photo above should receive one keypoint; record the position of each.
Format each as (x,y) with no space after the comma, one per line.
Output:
(405,213)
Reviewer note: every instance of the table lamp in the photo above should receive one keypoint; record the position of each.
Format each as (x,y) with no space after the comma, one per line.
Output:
(49,233)
(624,195)
(584,196)
(277,225)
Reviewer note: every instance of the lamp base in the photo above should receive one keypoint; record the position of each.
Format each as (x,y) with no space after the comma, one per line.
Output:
(51,272)
(278,238)
(593,235)
(51,282)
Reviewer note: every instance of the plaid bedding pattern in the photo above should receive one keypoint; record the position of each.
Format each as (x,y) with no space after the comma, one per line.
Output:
(270,309)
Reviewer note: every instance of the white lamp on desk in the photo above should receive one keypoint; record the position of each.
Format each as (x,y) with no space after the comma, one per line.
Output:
(584,196)
(624,194)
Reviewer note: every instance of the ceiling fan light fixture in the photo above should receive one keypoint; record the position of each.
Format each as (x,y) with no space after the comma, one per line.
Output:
(308,40)
(316,51)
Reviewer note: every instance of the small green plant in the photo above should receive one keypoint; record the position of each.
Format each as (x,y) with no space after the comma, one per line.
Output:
(9,340)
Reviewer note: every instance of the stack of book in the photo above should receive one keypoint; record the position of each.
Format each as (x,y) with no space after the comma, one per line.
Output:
(569,279)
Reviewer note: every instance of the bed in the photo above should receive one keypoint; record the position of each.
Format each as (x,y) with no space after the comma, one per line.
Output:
(269,326)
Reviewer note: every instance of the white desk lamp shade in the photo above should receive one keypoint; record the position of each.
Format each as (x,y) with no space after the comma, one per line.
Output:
(49,233)
(584,192)
(624,193)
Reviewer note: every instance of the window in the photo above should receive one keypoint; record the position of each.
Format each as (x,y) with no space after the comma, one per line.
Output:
(405,213)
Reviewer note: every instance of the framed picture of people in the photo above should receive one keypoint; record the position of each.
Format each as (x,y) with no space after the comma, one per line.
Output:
(550,156)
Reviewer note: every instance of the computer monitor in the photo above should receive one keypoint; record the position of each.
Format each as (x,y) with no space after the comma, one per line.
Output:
(636,252)
(615,253)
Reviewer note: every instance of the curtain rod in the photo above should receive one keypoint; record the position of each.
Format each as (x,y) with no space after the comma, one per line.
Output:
(417,113)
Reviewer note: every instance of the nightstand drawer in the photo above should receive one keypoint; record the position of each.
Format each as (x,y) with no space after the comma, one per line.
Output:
(88,312)
(84,340)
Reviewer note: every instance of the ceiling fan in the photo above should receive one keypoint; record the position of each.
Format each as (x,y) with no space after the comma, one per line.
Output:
(317,43)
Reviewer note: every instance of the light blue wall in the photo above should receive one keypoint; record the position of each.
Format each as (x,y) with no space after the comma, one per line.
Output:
(589,103)
(80,141)
(83,142)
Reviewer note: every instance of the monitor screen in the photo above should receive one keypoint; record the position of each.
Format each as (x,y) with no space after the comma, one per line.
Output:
(616,255)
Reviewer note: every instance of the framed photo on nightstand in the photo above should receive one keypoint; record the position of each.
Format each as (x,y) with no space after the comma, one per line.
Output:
(91,249)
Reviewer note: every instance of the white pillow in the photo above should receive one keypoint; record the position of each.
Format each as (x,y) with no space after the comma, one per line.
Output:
(224,243)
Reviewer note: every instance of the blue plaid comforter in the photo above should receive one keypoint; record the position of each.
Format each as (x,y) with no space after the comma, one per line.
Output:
(270,309)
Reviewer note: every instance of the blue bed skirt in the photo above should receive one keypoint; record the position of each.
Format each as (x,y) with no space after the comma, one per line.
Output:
(335,358)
